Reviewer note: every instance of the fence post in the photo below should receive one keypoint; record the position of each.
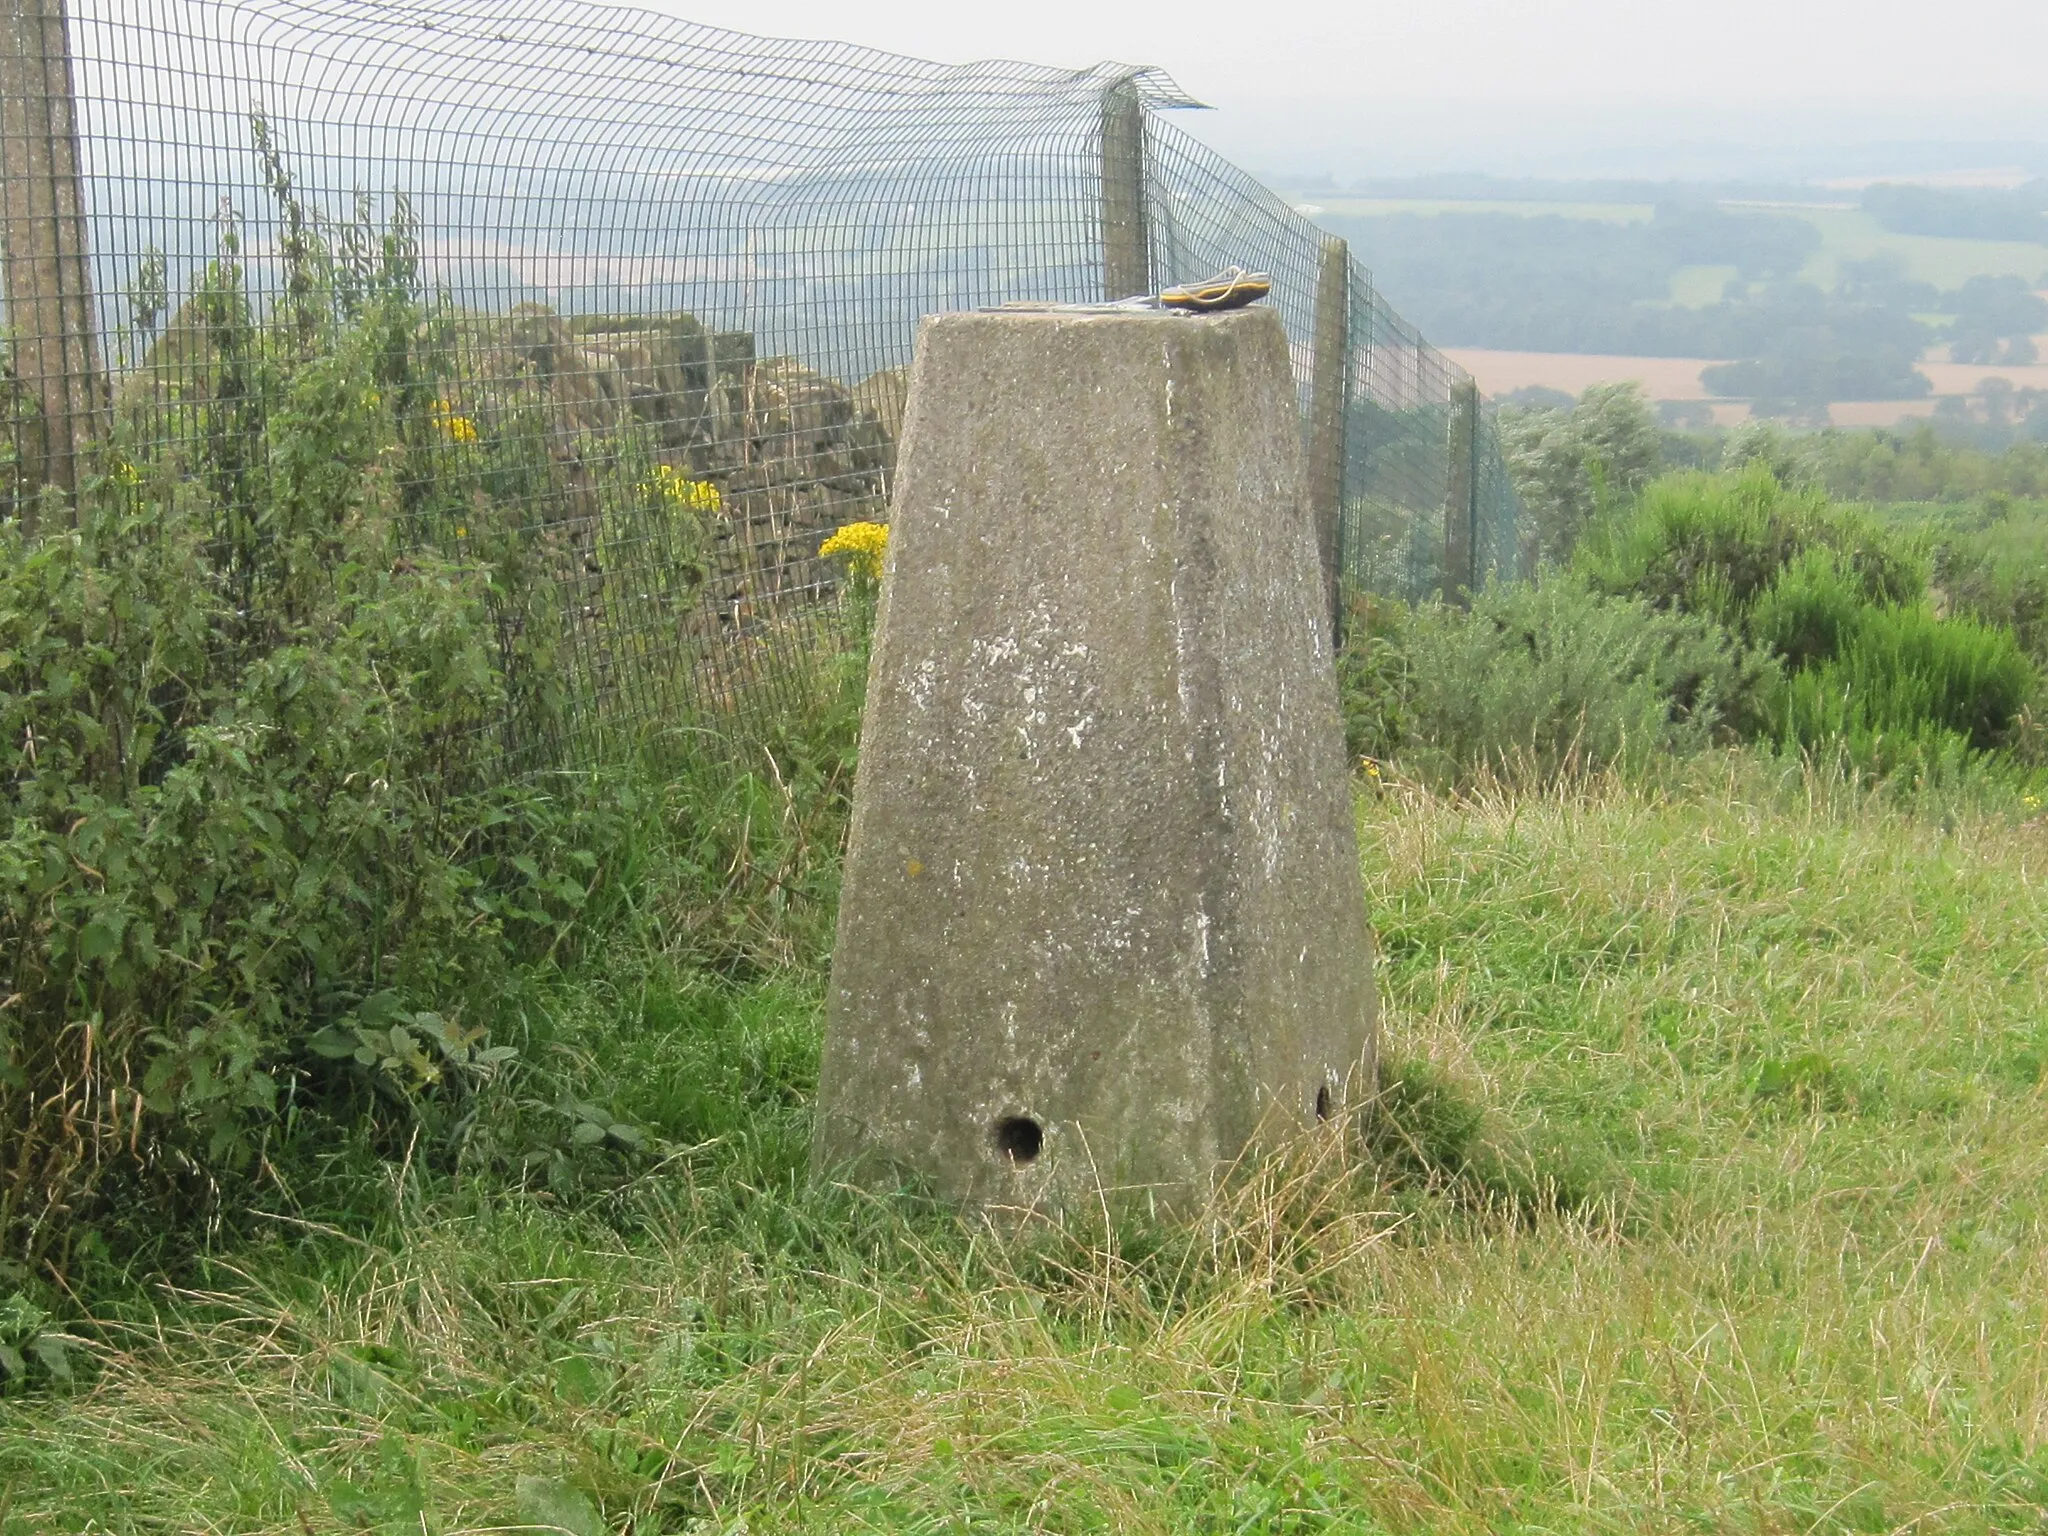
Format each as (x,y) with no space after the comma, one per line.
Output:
(1461,496)
(1328,399)
(1126,242)
(48,282)
(1476,441)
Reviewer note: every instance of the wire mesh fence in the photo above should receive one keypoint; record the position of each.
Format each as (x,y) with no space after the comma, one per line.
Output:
(637,297)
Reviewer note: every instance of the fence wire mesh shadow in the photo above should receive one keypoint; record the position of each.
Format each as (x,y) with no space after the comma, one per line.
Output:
(637,297)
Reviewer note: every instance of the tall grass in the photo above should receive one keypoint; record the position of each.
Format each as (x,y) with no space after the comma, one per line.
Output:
(1709,1198)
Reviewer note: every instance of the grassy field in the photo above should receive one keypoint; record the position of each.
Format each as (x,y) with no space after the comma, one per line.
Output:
(1697,287)
(1852,235)
(1847,234)
(1710,1198)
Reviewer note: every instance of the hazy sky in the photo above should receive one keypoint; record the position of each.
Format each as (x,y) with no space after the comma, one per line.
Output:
(1290,77)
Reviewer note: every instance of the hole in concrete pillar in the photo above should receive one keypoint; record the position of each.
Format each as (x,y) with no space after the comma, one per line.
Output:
(1323,1101)
(1018,1137)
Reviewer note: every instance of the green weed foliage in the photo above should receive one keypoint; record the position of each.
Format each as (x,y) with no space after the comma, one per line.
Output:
(288,812)
(242,844)
(266,885)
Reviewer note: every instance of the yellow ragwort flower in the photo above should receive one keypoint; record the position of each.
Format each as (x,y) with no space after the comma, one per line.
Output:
(862,545)
(458,427)
(680,491)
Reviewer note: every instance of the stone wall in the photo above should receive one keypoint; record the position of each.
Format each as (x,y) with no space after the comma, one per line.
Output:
(792,453)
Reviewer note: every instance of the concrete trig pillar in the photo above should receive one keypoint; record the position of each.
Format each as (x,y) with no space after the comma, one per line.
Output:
(1103,921)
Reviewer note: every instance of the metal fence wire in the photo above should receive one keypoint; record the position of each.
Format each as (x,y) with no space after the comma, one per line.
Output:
(642,294)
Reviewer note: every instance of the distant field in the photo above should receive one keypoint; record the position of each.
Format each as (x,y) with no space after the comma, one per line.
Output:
(1697,287)
(1678,379)
(1852,235)
(1968,378)
(1373,207)
(1662,378)
(1847,234)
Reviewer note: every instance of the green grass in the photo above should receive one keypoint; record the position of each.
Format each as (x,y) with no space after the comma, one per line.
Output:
(1724,1148)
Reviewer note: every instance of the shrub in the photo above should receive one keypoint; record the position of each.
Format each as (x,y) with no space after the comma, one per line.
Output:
(1901,684)
(1714,544)
(1808,612)
(255,852)
(243,855)
(1570,465)
(1869,668)
(1544,678)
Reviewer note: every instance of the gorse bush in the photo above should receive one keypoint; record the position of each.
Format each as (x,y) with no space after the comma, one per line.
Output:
(1543,678)
(1884,666)
(1902,687)
(1714,544)
(1869,668)
(1809,611)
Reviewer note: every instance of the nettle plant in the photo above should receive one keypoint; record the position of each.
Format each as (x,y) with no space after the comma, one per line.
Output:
(259,848)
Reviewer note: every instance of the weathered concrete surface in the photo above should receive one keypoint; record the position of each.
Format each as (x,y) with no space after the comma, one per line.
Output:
(1103,879)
